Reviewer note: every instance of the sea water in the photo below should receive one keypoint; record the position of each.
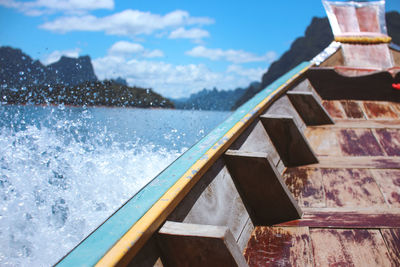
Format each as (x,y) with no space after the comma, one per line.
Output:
(64,170)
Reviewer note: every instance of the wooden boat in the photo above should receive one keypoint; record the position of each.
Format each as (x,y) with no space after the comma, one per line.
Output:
(306,173)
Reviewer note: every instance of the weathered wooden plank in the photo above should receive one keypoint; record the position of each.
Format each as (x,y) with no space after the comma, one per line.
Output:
(345,247)
(379,110)
(359,142)
(347,142)
(283,106)
(279,246)
(334,108)
(303,86)
(352,109)
(357,162)
(306,186)
(288,140)
(323,141)
(364,124)
(245,235)
(214,200)
(198,245)
(395,106)
(392,239)
(351,188)
(309,108)
(390,140)
(256,139)
(261,187)
(346,219)
(370,56)
(389,182)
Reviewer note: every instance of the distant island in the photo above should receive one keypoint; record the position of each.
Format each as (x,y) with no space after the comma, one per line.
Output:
(69,81)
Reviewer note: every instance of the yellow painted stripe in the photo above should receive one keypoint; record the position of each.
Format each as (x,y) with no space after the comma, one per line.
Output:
(142,230)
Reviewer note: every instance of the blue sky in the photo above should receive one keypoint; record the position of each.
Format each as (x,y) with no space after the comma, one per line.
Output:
(174,47)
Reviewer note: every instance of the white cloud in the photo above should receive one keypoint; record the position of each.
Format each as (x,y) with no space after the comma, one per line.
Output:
(126,49)
(56,55)
(235,56)
(40,7)
(254,74)
(173,80)
(154,53)
(126,23)
(194,33)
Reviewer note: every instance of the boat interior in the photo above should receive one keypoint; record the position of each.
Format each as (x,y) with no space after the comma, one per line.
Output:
(311,179)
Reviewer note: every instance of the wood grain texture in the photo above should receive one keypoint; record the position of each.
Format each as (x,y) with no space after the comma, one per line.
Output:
(213,201)
(389,182)
(261,188)
(284,107)
(256,139)
(369,56)
(279,246)
(351,188)
(359,247)
(309,108)
(326,218)
(288,140)
(323,141)
(364,124)
(245,235)
(381,162)
(302,86)
(334,108)
(379,110)
(392,239)
(352,109)
(306,186)
(198,245)
(359,142)
(390,140)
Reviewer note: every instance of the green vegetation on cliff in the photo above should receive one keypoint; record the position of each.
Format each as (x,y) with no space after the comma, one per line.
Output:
(106,93)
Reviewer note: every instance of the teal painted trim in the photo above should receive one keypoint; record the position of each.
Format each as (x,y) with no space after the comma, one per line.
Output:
(92,249)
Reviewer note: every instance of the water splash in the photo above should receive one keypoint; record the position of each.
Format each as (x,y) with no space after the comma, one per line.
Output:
(64,170)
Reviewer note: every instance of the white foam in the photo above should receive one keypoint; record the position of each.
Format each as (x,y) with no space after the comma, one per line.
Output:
(57,185)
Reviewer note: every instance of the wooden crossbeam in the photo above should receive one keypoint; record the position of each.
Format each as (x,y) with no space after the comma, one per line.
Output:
(261,187)
(309,108)
(288,140)
(366,162)
(346,219)
(184,244)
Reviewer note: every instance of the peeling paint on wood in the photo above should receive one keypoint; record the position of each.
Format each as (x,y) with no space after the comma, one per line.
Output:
(279,246)
(392,239)
(306,186)
(389,182)
(359,142)
(351,219)
(358,162)
(334,109)
(390,140)
(366,124)
(352,110)
(323,141)
(351,188)
(379,110)
(360,247)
